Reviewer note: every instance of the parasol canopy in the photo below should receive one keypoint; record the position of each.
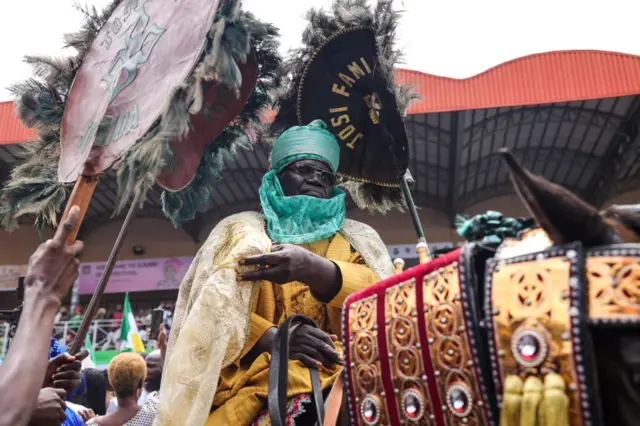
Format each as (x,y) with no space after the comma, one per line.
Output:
(343,85)
(344,74)
(140,56)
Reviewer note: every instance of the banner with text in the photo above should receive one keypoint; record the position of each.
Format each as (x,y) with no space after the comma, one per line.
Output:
(136,275)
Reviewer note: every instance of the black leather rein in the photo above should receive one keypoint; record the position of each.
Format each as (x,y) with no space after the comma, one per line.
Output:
(279,375)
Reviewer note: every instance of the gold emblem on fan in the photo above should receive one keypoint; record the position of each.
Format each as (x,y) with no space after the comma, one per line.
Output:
(374,105)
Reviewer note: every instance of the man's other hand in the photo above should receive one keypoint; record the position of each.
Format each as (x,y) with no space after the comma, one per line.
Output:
(50,408)
(313,347)
(53,267)
(86,414)
(63,371)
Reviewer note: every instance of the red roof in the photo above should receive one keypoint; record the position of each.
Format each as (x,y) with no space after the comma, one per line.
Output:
(536,79)
(11,128)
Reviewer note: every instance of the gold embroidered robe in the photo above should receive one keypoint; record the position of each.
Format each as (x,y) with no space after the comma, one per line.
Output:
(242,391)
(213,316)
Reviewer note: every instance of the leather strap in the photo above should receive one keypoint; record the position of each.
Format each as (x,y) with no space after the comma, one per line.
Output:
(318,398)
(279,373)
(334,402)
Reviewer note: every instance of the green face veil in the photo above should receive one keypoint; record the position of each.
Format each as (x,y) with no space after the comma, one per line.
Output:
(301,218)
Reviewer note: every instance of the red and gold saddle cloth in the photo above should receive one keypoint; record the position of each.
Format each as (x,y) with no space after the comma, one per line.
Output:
(410,349)
(483,338)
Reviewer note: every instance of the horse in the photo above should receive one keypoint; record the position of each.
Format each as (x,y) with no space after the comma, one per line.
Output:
(541,329)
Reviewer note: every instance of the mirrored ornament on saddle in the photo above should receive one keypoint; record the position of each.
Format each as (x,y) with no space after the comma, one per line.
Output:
(542,331)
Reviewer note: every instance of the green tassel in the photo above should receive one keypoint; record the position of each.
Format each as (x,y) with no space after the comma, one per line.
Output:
(490,228)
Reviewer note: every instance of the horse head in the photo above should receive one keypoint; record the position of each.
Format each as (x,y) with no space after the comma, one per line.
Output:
(565,217)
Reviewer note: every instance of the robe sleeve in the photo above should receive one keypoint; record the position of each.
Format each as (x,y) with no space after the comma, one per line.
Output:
(257,327)
(356,275)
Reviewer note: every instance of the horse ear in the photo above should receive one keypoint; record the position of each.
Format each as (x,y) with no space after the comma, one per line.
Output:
(626,220)
(563,215)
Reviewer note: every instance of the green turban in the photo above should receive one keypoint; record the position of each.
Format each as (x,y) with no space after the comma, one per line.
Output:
(312,142)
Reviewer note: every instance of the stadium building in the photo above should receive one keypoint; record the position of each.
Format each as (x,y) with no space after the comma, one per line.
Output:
(571,116)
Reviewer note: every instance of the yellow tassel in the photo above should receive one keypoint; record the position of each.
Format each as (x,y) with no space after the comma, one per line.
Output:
(531,399)
(510,414)
(554,410)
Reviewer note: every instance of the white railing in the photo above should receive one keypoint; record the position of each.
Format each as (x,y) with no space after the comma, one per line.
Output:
(103,334)
(4,338)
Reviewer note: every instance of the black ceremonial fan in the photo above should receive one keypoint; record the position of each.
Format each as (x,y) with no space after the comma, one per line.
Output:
(344,86)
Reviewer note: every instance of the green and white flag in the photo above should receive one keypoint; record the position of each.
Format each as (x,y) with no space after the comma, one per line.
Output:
(129,336)
(88,346)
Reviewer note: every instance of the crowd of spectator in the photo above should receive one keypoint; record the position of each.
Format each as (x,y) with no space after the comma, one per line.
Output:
(142,315)
(42,384)
(105,331)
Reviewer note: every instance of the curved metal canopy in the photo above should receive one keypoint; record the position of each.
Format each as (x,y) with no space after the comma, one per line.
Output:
(591,147)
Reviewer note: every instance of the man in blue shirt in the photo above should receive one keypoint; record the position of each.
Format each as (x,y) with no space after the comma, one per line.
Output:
(73,419)
(63,373)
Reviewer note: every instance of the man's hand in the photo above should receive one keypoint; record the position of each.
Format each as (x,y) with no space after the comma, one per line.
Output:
(288,263)
(53,267)
(51,271)
(86,414)
(284,264)
(162,341)
(50,408)
(313,347)
(63,371)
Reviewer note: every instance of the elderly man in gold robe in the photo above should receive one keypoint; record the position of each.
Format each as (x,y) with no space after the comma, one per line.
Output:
(299,256)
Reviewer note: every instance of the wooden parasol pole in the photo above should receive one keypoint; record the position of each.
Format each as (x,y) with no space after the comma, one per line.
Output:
(80,196)
(422,248)
(78,341)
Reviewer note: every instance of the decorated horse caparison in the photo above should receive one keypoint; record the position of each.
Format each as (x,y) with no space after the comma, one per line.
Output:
(538,330)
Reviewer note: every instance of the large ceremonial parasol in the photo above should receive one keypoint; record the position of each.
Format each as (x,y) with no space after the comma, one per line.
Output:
(159,90)
(345,75)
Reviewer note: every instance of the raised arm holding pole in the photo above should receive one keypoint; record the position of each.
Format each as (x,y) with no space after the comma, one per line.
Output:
(154,91)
